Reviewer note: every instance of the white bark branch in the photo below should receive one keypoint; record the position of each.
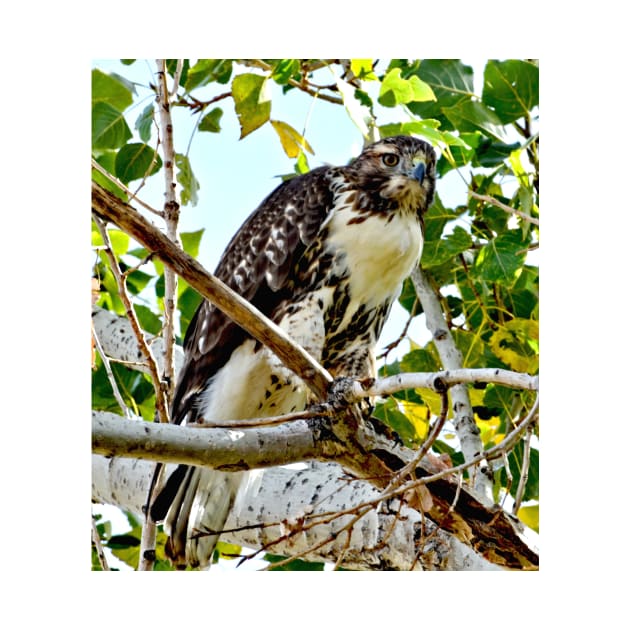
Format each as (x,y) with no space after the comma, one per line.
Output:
(464,420)
(282,498)
(223,449)
(442,499)
(440,381)
(118,341)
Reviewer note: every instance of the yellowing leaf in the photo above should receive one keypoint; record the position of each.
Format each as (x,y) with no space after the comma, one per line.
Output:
(419,416)
(516,344)
(227,550)
(293,143)
(362,68)
(476,396)
(434,402)
(528,514)
(250,101)
(489,430)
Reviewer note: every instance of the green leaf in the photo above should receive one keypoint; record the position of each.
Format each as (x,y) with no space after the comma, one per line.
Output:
(489,153)
(426,128)
(171,68)
(191,241)
(119,241)
(137,280)
(470,292)
(109,128)
(360,114)
(187,180)
(472,347)
(149,321)
(187,301)
(294,565)
(252,105)
(389,413)
(144,123)
(451,82)
(436,218)
(499,398)
(408,299)
(292,142)
(439,251)
(211,121)
(284,69)
(420,360)
(515,461)
(107,159)
(227,550)
(136,161)
(207,71)
(111,90)
(395,90)
(510,88)
(501,258)
(475,116)
(301,164)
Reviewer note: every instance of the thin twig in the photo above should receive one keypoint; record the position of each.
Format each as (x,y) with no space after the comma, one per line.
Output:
(426,446)
(110,375)
(176,77)
(304,86)
(504,207)
(390,346)
(520,490)
(509,478)
(262,422)
(171,217)
(96,539)
(160,400)
(117,182)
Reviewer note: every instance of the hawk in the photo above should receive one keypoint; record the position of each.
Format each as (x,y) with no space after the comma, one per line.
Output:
(323,256)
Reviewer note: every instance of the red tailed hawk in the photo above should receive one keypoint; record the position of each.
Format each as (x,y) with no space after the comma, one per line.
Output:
(323,256)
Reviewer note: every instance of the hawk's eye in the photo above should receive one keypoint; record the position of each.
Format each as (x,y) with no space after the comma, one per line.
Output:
(390,159)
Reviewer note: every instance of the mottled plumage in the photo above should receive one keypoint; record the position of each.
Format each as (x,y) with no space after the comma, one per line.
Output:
(324,256)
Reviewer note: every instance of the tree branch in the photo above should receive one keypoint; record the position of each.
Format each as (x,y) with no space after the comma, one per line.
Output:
(161,403)
(495,202)
(249,318)
(488,530)
(171,218)
(464,420)
(271,513)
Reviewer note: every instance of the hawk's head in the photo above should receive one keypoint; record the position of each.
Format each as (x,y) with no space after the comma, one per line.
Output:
(397,172)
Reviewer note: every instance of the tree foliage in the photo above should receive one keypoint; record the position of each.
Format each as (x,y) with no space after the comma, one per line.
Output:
(479,254)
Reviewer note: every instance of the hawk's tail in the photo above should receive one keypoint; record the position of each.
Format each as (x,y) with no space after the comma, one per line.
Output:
(194,504)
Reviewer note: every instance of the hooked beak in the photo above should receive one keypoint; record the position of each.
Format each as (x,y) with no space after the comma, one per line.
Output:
(419,172)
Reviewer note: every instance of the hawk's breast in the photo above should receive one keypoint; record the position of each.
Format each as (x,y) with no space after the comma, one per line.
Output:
(377,251)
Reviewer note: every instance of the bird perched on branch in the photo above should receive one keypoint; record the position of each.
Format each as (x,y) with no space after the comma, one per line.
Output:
(323,256)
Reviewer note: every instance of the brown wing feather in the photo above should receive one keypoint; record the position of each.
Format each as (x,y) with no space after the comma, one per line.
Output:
(256,264)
